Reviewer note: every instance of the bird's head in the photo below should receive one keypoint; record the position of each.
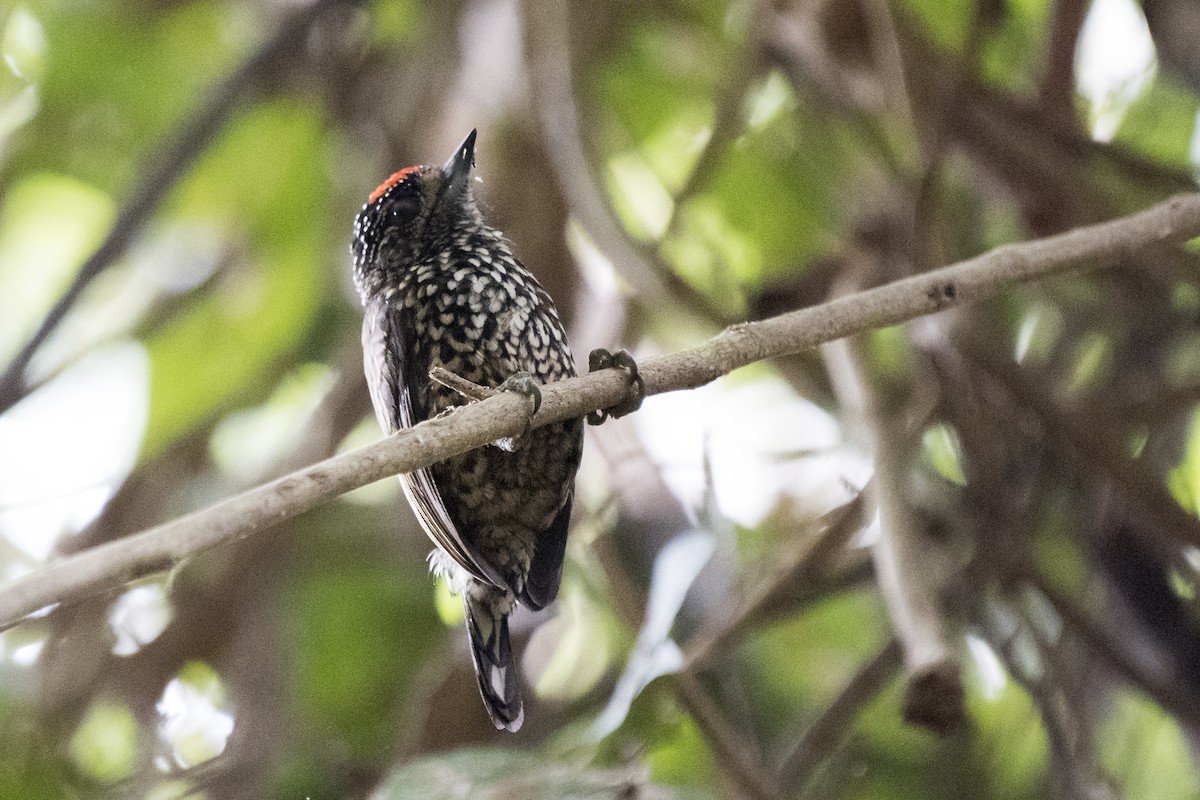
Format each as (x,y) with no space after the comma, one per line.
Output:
(414,214)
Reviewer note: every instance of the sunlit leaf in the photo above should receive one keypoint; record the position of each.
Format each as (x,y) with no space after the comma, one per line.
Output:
(214,353)
(104,744)
(944,451)
(41,247)
(1145,746)
(1184,480)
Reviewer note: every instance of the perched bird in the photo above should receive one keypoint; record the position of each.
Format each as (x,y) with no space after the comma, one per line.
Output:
(441,288)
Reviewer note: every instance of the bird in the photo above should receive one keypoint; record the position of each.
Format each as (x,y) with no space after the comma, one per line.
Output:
(442,288)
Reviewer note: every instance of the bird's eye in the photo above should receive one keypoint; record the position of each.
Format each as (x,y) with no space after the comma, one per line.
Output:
(403,207)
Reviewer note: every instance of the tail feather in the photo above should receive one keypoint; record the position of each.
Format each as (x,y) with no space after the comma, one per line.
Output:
(487,629)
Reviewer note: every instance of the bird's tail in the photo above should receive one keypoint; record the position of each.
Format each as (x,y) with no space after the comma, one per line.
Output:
(487,629)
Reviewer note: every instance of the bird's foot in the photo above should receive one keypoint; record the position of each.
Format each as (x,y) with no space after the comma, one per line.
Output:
(603,359)
(527,386)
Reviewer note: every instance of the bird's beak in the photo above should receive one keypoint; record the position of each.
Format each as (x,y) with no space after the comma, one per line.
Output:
(458,169)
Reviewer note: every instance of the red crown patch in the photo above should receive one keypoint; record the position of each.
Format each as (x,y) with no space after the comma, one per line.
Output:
(392,180)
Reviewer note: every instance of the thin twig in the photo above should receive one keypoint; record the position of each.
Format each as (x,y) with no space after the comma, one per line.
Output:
(1072,756)
(457,383)
(829,729)
(728,121)
(1173,696)
(548,53)
(810,556)
(1095,445)
(507,415)
(742,765)
(161,173)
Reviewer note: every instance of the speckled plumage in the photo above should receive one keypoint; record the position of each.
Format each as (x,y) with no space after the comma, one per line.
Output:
(441,288)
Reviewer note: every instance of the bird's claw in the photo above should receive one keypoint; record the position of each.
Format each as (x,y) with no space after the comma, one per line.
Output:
(527,386)
(603,359)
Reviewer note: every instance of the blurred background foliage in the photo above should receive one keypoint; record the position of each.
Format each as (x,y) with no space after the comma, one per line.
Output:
(186,173)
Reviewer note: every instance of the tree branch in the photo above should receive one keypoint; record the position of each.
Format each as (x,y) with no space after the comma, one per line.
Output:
(829,729)
(933,692)
(737,758)
(111,565)
(810,556)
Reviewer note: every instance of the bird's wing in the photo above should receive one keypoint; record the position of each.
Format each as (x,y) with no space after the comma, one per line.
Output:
(392,382)
(545,573)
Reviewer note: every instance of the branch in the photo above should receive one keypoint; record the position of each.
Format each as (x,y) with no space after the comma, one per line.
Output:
(933,692)
(506,415)
(1115,648)
(161,173)
(457,383)
(1094,444)
(810,557)
(734,754)
(547,32)
(829,730)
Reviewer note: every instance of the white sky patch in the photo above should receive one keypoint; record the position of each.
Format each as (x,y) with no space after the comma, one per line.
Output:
(764,443)
(992,678)
(1114,63)
(69,444)
(27,654)
(192,726)
(138,617)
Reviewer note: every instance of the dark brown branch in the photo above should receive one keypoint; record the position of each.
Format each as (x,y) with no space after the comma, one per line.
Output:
(811,556)
(1073,427)
(829,729)
(740,762)
(1173,696)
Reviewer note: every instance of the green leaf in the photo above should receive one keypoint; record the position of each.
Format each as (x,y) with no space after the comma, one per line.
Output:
(1144,746)
(1161,123)
(360,626)
(119,78)
(944,451)
(803,662)
(260,185)
(41,248)
(945,23)
(105,743)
